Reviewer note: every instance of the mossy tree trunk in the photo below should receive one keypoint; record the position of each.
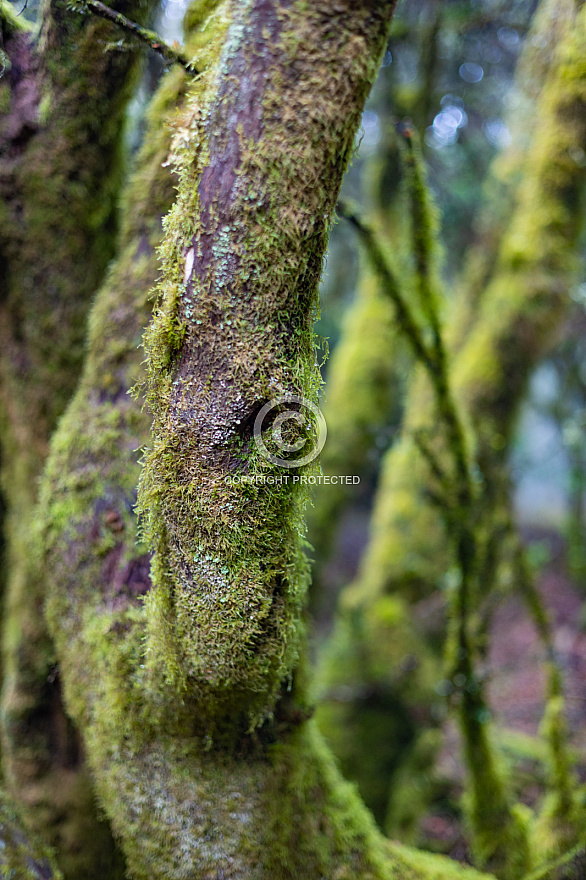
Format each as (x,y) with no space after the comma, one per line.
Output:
(63,101)
(202,748)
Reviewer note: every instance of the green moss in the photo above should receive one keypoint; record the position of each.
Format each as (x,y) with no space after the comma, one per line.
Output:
(561,823)
(569,866)
(233,555)
(413,787)
(22,856)
(498,829)
(310,804)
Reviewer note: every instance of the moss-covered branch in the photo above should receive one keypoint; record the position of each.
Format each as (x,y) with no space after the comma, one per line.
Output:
(499,837)
(406,548)
(405,316)
(22,856)
(362,403)
(243,571)
(527,292)
(149,38)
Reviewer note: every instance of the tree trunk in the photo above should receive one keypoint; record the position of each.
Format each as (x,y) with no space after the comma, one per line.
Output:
(64,99)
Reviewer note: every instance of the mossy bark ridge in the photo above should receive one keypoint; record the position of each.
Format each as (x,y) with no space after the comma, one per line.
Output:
(240,334)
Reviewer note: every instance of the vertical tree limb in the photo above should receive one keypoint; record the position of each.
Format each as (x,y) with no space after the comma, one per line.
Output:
(61,164)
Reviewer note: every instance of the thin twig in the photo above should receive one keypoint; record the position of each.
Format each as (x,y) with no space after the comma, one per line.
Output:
(423,236)
(433,461)
(434,359)
(391,287)
(148,37)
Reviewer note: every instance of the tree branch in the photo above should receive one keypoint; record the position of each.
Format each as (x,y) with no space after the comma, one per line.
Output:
(146,36)
(391,286)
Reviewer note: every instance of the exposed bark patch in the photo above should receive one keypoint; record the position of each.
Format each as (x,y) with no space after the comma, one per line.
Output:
(17,126)
(126,581)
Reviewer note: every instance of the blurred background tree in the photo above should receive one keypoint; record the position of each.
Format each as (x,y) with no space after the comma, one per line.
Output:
(471,79)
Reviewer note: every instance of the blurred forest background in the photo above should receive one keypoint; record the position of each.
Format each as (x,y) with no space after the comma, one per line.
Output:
(468,77)
(468,82)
